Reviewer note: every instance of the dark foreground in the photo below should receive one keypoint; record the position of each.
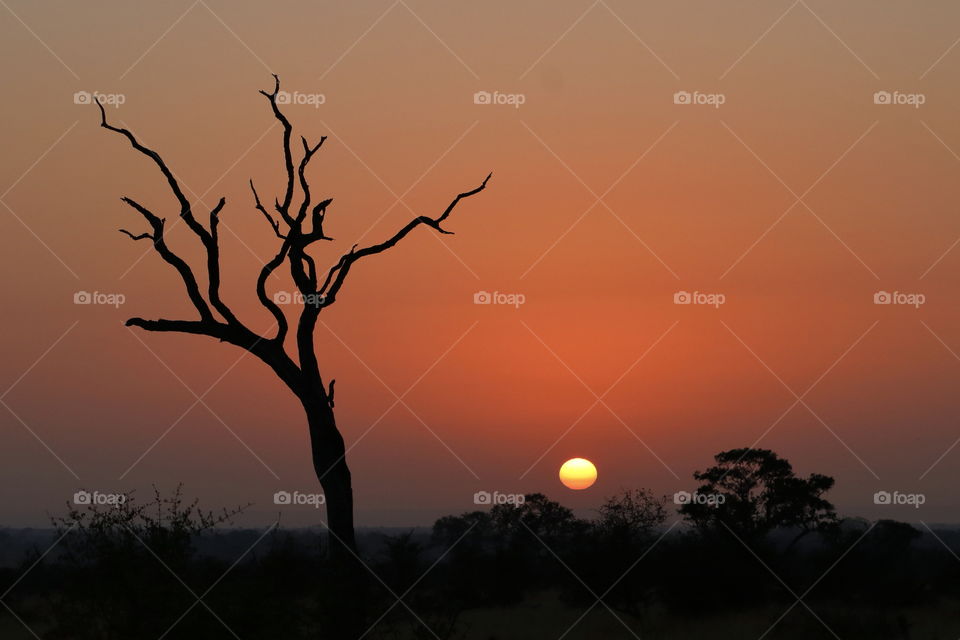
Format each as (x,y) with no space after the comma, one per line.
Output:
(168,570)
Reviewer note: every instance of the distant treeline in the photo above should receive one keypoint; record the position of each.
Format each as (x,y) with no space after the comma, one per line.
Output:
(167,568)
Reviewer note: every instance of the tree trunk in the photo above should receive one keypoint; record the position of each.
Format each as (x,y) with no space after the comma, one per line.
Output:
(330,465)
(344,609)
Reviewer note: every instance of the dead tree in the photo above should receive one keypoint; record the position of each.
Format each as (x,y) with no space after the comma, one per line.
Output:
(297,223)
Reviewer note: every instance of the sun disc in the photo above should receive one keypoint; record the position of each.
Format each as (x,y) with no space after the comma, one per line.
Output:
(578,473)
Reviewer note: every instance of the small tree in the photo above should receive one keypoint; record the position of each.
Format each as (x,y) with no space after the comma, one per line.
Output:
(537,515)
(298,224)
(753,491)
(624,535)
(631,515)
(113,566)
(448,530)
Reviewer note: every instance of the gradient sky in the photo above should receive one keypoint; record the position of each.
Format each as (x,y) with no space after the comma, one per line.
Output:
(693,198)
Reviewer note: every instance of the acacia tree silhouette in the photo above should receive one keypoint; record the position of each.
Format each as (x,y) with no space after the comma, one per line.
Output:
(760,493)
(302,376)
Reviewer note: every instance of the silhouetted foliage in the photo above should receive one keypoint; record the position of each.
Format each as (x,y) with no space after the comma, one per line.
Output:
(631,515)
(137,571)
(759,492)
(537,517)
(123,566)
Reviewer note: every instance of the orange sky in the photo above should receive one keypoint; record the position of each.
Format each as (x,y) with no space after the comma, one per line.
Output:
(691,200)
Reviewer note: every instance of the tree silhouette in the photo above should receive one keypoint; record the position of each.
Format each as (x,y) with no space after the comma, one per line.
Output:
(537,515)
(760,493)
(630,515)
(297,225)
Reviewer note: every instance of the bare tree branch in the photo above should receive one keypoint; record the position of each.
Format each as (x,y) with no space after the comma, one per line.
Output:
(212,244)
(139,236)
(179,326)
(338,273)
(283,208)
(259,206)
(311,270)
(209,238)
(265,300)
(189,281)
(266,350)
(308,153)
(293,249)
(185,207)
(316,222)
(233,331)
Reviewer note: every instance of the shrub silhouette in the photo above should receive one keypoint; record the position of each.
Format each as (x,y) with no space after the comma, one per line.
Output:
(123,566)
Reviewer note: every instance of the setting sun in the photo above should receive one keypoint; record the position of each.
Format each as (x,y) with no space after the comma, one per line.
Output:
(578,473)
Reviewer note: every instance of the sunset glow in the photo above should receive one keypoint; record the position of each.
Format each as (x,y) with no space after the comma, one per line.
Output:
(698,276)
(578,473)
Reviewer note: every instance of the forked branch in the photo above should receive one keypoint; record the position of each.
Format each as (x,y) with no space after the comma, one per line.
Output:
(338,273)
(178,263)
